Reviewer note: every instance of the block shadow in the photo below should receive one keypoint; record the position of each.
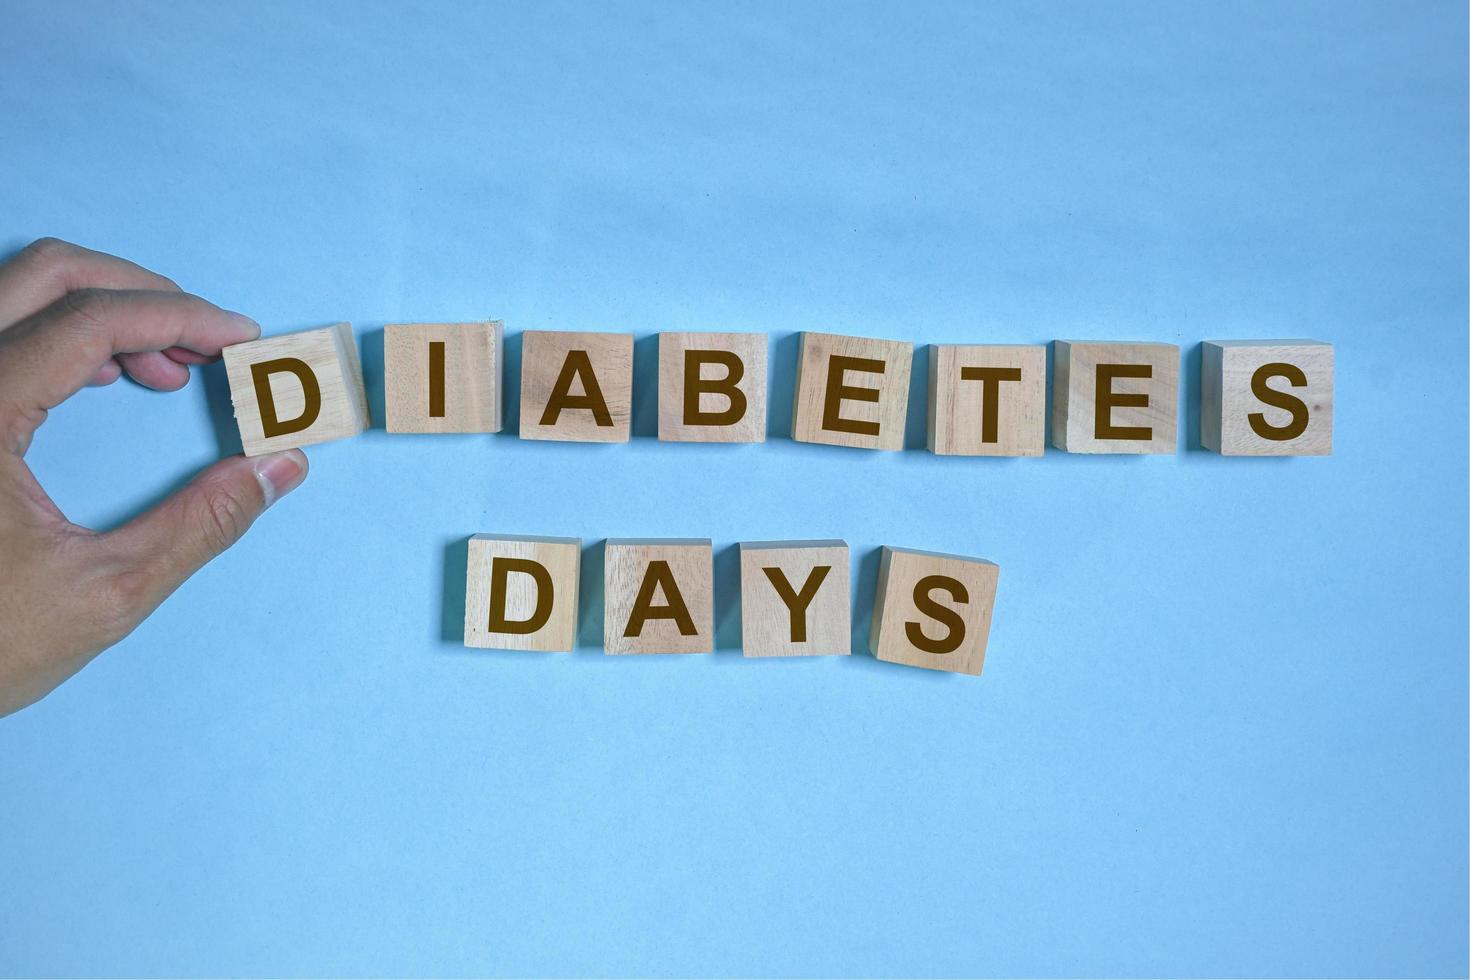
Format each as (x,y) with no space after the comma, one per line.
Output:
(781,392)
(510,385)
(370,351)
(590,598)
(452,582)
(727,599)
(644,411)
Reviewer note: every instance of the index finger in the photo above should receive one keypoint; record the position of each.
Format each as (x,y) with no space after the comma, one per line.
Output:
(49,268)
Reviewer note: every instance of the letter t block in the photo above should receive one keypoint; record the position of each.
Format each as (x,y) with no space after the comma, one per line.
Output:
(521,593)
(933,610)
(297,389)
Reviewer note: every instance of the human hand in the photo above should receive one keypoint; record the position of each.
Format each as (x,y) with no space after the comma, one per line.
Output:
(71,317)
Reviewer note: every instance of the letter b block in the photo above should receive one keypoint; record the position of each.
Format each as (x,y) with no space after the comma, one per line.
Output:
(659,596)
(712,387)
(521,593)
(794,598)
(442,377)
(1266,397)
(297,389)
(933,610)
(1115,398)
(851,391)
(576,387)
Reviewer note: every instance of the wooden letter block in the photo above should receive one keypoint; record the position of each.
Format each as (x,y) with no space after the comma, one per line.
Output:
(576,387)
(442,377)
(297,389)
(933,610)
(521,593)
(794,598)
(1115,398)
(659,596)
(851,391)
(1266,397)
(712,387)
(987,400)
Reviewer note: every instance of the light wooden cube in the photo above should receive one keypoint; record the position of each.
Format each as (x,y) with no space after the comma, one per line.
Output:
(659,596)
(1266,397)
(297,389)
(521,592)
(987,400)
(442,377)
(933,610)
(794,598)
(576,387)
(712,387)
(851,391)
(1115,397)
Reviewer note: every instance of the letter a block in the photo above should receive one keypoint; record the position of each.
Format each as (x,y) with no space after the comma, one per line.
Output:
(442,377)
(658,596)
(576,387)
(1115,398)
(987,400)
(297,389)
(933,610)
(794,598)
(521,593)
(1266,397)
(712,387)
(851,391)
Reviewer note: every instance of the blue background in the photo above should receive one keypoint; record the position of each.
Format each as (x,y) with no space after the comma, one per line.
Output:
(1223,724)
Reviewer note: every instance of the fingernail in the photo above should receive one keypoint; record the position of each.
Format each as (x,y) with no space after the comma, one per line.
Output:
(249,329)
(280,473)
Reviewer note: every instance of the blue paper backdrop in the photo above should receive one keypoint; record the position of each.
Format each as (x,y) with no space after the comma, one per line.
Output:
(1223,724)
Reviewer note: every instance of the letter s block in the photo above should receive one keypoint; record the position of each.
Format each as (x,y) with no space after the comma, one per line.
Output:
(521,593)
(576,387)
(658,596)
(794,598)
(933,610)
(851,391)
(297,389)
(1266,397)
(442,377)
(1115,398)
(712,387)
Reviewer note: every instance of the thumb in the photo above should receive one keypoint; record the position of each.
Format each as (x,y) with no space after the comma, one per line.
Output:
(175,539)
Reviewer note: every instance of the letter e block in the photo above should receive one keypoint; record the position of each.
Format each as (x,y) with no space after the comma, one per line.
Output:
(658,596)
(576,387)
(521,593)
(933,610)
(851,391)
(1115,397)
(987,400)
(442,377)
(794,598)
(712,387)
(297,389)
(1266,397)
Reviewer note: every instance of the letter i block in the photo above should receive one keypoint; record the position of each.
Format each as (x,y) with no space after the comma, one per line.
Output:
(442,377)
(1115,398)
(933,610)
(576,387)
(659,596)
(794,598)
(712,387)
(1266,397)
(297,389)
(521,593)
(851,391)
(987,400)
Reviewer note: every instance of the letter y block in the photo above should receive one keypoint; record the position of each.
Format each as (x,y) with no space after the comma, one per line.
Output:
(297,389)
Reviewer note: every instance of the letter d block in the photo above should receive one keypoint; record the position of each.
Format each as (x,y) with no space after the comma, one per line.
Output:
(521,593)
(1115,398)
(851,391)
(794,598)
(1266,397)
(712,387)
(576,387)
(658,596)
(933,610)
(442,377)
(297,389)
